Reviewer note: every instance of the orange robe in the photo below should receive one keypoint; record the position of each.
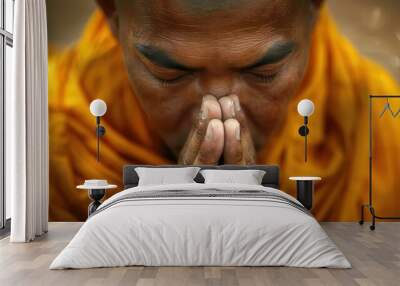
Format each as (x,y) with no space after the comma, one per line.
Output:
(338,80)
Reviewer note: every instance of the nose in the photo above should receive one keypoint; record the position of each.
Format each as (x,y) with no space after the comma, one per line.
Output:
(217,85)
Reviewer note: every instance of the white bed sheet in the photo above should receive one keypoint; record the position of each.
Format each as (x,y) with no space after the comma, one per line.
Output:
(200,232)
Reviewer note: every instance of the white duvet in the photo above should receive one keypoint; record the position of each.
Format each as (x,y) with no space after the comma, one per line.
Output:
(204,231)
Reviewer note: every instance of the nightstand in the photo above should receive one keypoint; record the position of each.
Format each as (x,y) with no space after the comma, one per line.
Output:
(305,190)
(96,191)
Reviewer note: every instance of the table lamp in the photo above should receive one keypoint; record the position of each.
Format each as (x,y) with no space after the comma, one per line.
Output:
(98,108)
(305,108)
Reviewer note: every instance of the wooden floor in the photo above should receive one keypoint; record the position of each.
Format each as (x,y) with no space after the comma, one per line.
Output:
(375,257)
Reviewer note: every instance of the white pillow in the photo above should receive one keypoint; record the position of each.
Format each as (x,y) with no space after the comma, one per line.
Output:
(248,177)
(162,176)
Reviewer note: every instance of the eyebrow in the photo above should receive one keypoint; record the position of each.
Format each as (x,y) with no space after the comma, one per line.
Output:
(160,58)
(275,53)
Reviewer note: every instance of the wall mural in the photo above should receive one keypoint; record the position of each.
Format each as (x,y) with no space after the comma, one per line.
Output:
(218,82)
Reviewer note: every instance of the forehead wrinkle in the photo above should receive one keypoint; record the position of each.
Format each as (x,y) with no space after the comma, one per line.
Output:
(256,32)
(235,39)
(209,6)
(171,8)
(164,14)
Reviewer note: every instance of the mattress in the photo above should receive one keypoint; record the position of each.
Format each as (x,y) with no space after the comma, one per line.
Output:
(201,225)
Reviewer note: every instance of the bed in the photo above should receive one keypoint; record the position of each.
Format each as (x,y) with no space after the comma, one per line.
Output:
(201,224)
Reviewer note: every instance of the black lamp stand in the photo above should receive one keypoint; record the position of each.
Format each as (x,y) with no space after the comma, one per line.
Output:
(100,132)
(303,131)
(97,194)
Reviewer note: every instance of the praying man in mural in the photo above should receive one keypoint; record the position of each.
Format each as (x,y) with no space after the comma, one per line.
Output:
(218,82)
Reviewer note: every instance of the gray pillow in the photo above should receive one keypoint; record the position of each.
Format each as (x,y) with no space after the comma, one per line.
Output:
(162,176)
(248,177)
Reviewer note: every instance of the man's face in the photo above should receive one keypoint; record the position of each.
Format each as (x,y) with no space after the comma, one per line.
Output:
(179,51)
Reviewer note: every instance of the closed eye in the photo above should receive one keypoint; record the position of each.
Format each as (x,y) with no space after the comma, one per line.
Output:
(263,78)
(161,66)
(167,82)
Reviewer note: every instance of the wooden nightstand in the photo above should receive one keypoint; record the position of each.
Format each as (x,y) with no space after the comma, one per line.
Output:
(96,191)
(305,190)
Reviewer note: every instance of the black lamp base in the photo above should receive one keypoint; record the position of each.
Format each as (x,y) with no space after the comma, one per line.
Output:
(95,195)
(305,190)
(100,132)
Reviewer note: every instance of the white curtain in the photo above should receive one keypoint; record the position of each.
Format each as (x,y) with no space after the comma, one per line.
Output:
(27,124)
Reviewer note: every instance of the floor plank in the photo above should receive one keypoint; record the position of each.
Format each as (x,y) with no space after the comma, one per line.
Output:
(375,256)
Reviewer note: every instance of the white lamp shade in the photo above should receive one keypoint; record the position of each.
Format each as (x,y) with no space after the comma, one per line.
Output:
(305,107)
(98,107)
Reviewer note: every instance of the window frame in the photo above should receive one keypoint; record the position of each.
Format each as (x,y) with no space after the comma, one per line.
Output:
(6,39)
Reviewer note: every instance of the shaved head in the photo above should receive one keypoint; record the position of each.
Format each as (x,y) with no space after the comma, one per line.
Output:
(201,17)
